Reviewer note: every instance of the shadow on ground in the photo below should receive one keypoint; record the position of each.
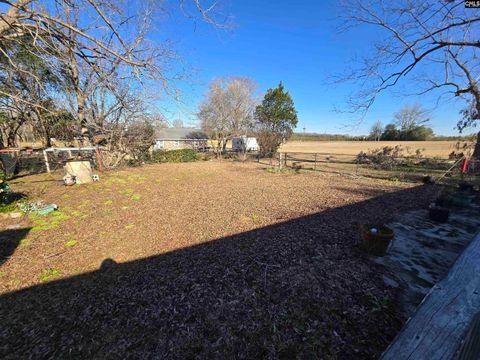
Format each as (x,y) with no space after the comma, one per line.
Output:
(9,241)
(298,289)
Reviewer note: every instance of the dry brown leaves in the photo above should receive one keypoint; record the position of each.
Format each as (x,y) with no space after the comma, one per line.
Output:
(208,260)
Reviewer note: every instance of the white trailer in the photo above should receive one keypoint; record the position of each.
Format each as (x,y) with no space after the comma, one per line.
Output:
(244,143)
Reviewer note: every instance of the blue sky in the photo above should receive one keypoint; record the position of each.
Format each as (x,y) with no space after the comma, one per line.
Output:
(297,43)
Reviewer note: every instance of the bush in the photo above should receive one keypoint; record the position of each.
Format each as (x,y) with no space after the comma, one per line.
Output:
(175,156)
(389,157)
(383,158)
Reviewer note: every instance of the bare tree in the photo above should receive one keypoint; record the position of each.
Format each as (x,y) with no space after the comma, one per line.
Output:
(228,109)
(177,123)
(89,41)
(20,107)
(411,116)
(438,36)
(376,130)
(122,121)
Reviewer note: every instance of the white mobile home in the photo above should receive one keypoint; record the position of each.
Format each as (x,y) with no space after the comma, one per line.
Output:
(244,143)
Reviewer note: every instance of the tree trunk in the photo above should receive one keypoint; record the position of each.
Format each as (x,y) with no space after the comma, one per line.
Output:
(224,147)
(48,139)
(476,150)
(84,133)
(11,140)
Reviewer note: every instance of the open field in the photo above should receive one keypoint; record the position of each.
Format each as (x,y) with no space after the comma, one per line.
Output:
(212,259)
(432,148)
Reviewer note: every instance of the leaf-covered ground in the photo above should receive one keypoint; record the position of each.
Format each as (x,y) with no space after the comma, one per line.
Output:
(202,260)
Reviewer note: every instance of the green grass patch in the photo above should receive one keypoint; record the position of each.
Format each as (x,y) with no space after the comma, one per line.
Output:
(49,273)
(76,213)
(136,197)
(15,282)
(7,206)
(108,202)
(136,179)
(24,242)
(284,170)
(47,222)
(114,180)
(129,226)
(71,243)
(72,212)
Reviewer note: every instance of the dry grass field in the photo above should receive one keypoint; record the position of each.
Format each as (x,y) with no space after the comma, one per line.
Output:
(431,148)
(214,259)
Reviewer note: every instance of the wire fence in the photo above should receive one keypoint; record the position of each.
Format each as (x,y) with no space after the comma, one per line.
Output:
(413,168)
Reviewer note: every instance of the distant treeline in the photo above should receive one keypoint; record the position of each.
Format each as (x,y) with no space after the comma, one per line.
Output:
(325,137)
(344,137)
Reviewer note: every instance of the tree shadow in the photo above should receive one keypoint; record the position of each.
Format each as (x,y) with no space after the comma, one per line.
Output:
(9,241)
(296,289)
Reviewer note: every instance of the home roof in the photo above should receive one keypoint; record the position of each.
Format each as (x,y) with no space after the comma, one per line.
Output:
(179,133)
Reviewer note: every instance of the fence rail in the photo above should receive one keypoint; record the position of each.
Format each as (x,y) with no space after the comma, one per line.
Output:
(401,168)
(32,161)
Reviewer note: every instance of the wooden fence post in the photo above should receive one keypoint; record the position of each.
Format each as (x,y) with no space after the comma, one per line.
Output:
(315,163)
(45,157)
(99,159)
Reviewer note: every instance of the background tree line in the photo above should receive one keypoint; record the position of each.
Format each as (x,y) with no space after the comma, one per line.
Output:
(409,125)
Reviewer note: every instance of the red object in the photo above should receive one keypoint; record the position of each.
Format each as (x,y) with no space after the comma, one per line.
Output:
(464,166)
(9,150)
(15,150)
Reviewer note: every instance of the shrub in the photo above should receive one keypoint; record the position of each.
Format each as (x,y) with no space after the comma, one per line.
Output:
(174,156)
(384,158)
(390,156)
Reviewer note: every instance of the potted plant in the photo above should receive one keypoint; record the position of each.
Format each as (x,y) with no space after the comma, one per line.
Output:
(376,239)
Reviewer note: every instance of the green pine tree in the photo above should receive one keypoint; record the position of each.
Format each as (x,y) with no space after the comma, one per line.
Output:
(276,118)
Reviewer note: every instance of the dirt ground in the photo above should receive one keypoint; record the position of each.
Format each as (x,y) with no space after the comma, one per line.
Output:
(199,260)
(431,148)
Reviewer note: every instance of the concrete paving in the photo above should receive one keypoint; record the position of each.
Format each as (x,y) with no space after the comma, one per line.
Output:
(423,251)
